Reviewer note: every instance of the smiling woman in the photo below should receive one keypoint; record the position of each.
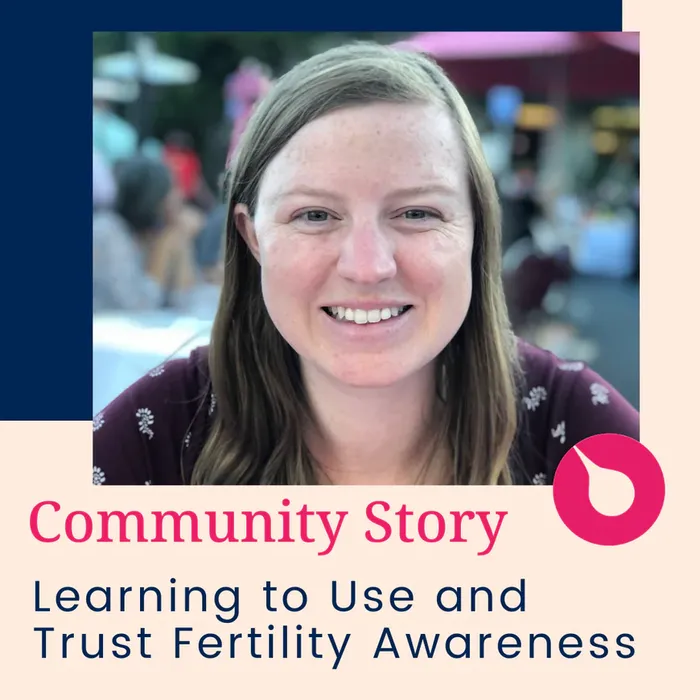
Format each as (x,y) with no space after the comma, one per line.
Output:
(352,214)
(362,335)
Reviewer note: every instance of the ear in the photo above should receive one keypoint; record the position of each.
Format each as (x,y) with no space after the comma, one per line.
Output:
(246,227)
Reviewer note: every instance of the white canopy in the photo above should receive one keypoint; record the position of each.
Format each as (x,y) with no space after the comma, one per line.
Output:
(147,65)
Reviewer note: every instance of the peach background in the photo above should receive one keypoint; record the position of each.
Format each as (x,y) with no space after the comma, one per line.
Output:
(645,588)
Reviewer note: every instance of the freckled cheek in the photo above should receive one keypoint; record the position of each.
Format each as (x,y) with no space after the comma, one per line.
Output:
(291,274)
(438,272)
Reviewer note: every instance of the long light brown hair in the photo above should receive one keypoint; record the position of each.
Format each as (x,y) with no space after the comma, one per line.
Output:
(262,410)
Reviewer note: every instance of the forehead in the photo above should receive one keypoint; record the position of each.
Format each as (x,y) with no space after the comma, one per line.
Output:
(380,145)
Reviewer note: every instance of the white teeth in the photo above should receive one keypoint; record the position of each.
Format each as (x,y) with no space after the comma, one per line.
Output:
(363,316)
(360,316)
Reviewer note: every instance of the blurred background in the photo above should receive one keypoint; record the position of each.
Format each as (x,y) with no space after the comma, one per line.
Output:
(559,117)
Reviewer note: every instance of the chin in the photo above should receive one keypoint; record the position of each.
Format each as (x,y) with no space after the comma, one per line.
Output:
(371,374)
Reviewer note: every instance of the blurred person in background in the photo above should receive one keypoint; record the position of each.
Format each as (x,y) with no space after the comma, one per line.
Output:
(529,271)
(242,91)
(521,204)
(209,247)
(180,156)
(104,188)
(112,137)
(143,246)
(362,335)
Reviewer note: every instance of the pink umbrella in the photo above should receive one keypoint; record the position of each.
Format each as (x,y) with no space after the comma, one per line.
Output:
(625,41)
(451,46)
(592,65)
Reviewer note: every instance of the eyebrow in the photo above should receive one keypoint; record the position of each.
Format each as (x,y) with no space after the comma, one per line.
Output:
(304,189)
(435,188)
(403,192)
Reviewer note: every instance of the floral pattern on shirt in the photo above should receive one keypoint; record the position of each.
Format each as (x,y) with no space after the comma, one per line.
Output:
(559,433)
(571,366)
(97,422)
(563,402)
(537,395)
(146,420)
(600,394)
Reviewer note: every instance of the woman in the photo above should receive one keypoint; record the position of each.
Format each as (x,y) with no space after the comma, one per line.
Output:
(362,335)
(143,248)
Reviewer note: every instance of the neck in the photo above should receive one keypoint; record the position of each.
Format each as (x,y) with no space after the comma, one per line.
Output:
(366,436)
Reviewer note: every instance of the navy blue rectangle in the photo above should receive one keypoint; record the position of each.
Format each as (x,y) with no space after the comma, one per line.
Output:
(45,265)
(45,258)
(360,15)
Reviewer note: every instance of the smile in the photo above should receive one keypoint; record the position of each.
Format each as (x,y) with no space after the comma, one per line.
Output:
(362,316)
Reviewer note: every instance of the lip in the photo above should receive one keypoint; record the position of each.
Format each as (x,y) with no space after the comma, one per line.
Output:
(369,333)
(368,305)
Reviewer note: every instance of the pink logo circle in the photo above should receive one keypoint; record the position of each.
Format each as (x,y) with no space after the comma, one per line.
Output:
(572,486)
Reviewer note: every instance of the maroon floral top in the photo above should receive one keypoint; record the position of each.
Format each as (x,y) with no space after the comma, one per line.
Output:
(152,433)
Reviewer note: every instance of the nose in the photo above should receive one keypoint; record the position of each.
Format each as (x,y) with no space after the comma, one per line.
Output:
(367,255)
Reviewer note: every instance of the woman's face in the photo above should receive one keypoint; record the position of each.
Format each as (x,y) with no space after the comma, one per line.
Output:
(364,233)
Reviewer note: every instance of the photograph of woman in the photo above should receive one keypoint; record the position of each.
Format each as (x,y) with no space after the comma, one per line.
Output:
(362,335)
